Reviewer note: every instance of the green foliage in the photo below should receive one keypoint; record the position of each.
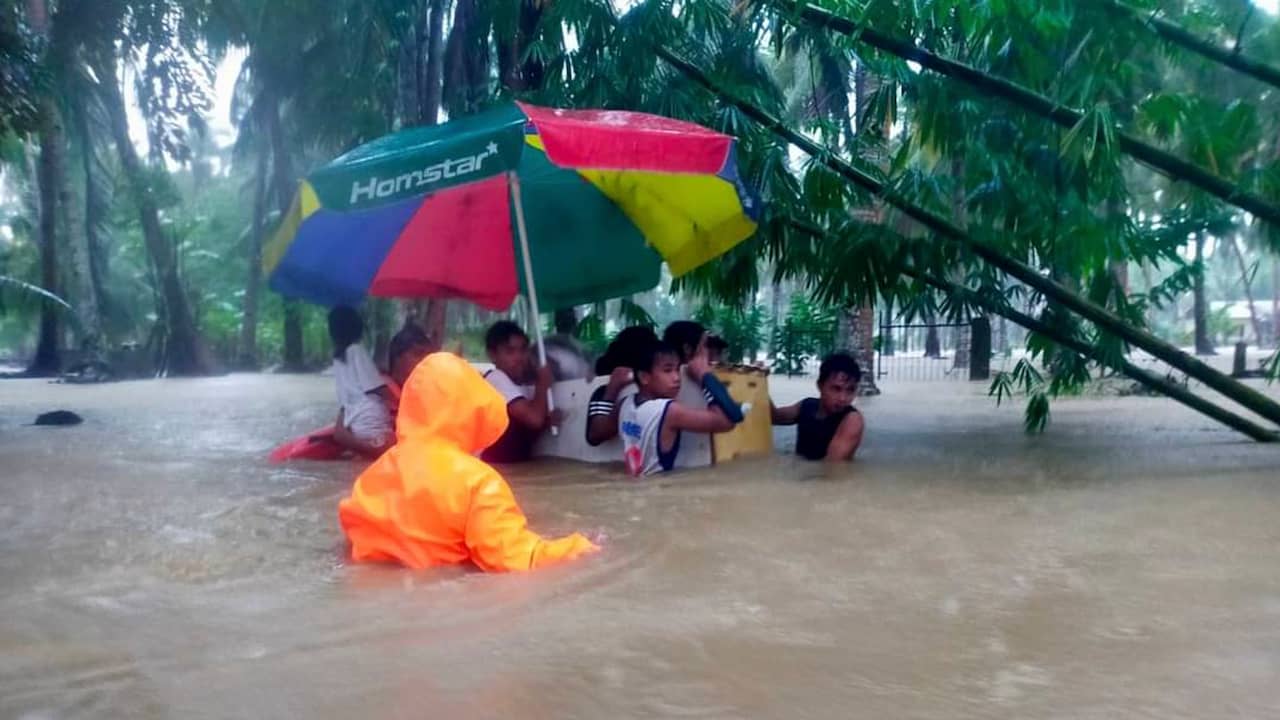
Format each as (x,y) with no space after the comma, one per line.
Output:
(21,75)
(1026,380)
(807,332)
(743,328)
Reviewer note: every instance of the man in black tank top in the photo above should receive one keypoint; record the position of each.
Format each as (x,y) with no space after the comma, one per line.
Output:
(827,427)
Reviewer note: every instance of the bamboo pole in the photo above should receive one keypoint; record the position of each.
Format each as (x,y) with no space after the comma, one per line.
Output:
(1171,165)
(1177,35)
(1103,318)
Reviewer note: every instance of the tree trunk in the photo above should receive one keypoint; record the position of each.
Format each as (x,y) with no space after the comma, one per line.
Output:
(48,360)
(864,86)
(864,348)
(466,60)
(97,215)
(1200,308)
(437,314)
(517,72)
(79,251)
(283,181)
(185,353)
(253,281)
(294,355)
(1247,282)
(434,80)
(432,315)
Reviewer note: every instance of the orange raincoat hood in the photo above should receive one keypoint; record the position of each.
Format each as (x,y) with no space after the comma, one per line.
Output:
(428,500)
(446,400)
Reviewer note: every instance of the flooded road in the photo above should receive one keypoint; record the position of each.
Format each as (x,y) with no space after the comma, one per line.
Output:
(152,565)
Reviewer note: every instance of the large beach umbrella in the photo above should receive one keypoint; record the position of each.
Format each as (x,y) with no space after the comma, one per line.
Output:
(567,207)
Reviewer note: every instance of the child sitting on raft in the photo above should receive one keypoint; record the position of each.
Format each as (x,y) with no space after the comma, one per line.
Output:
(364,415)
(827,427)
(651,422)
(429,501)
(617,361)
(508,350)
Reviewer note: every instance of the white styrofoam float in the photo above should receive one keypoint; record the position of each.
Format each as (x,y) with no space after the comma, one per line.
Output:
(753,437)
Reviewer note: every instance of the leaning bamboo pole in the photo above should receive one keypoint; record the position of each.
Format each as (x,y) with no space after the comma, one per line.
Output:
(1145,377)
(1140,375)
(1104,319)
(1171,165)
(1233,58)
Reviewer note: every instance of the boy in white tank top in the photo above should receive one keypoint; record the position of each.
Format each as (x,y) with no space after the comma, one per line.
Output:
(651,422)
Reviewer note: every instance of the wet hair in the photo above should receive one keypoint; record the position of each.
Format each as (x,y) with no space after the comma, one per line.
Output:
(500,332)
(409,337)
(683,334)
(840,362)
(649,355)
(345,329)
(625,348)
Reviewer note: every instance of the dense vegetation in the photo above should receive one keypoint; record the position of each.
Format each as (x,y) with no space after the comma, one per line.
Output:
(1146,181)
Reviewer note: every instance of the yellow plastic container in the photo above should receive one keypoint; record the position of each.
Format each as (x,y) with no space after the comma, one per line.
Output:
(754,435)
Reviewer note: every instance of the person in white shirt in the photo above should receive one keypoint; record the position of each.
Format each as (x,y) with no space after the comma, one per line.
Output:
(364,420)
(651,421)
(527,410)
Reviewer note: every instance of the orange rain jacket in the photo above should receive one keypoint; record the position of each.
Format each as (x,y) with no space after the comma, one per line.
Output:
(428,500)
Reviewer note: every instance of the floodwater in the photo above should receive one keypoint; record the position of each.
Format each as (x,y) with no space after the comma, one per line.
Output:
(152,565)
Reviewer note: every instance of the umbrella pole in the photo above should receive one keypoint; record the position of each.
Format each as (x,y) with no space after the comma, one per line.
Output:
(523,233)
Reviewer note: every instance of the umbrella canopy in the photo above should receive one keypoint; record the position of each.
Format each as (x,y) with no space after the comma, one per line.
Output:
(429,212)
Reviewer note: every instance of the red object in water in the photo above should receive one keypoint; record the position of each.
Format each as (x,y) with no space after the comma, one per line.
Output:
(315,445)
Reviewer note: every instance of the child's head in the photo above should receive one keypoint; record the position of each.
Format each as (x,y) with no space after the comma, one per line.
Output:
(686,336)
(508,349)
(657,370)
(838,378)
(345,328)
(625,349)
(406,350)
(716,346)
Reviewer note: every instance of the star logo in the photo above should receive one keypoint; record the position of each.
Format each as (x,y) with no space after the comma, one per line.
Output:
(491,148)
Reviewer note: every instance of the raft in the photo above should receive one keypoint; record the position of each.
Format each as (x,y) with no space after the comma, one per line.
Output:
(315,445)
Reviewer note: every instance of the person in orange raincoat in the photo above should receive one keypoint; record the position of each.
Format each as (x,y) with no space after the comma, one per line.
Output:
(429,500)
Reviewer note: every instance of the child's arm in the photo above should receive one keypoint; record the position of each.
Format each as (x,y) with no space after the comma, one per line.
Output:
(532,412)
(710,420)
(603,426)
(786,415)
(847,438)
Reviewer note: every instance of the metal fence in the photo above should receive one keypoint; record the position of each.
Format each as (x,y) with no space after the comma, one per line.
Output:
(927,352)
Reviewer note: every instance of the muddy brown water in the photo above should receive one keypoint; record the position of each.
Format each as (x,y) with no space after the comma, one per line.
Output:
(152,565)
